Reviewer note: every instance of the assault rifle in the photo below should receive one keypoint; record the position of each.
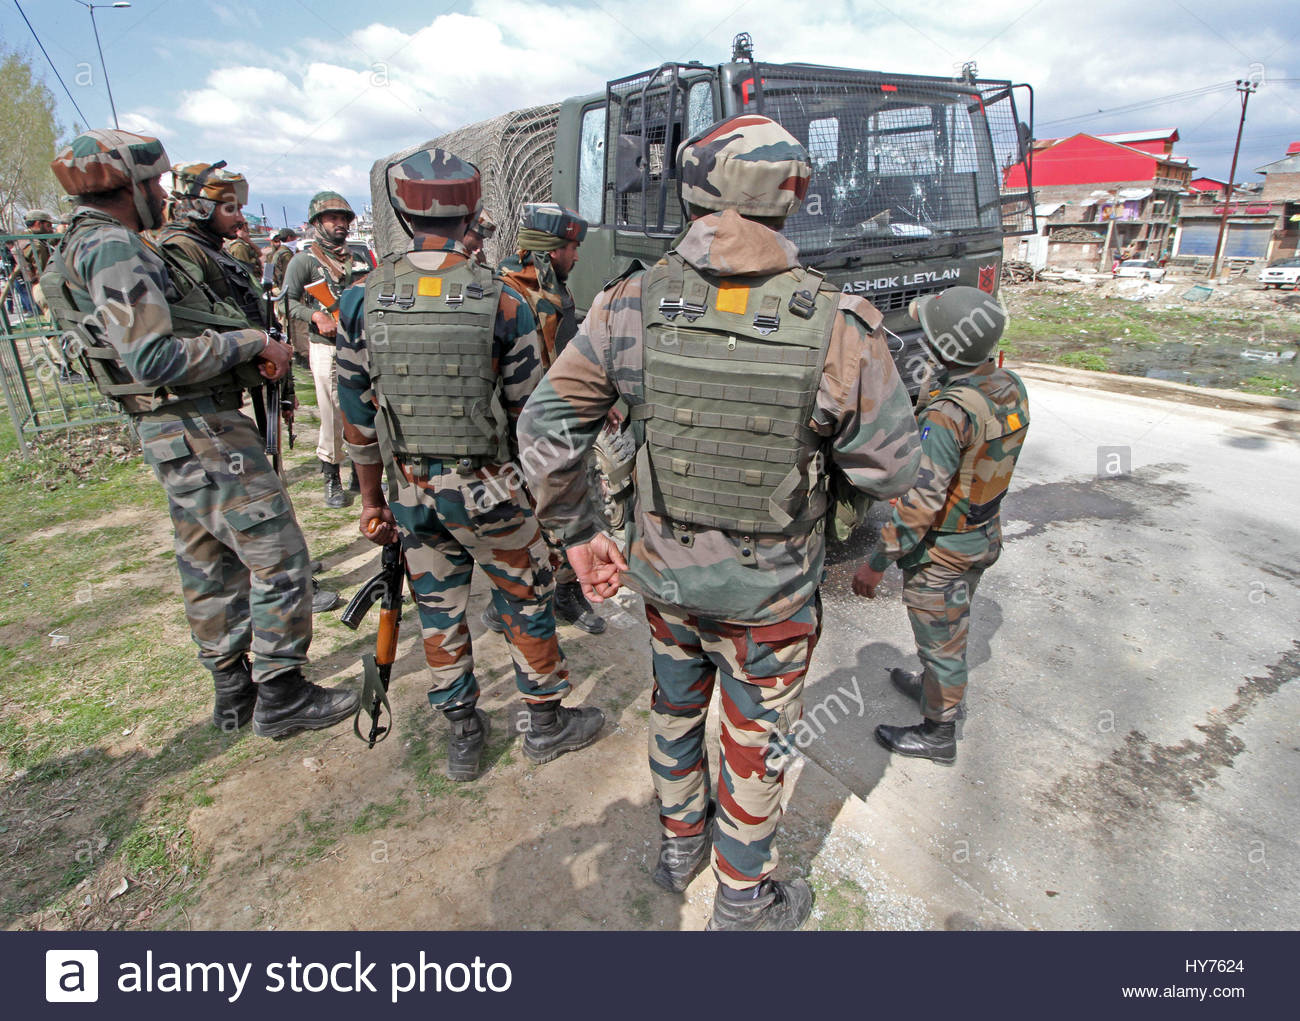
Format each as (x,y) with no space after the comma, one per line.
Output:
(277,398)
(386,589)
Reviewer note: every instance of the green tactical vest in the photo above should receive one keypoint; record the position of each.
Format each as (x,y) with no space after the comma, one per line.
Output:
(194,308)
(976,494)
(732,370)
(429,340)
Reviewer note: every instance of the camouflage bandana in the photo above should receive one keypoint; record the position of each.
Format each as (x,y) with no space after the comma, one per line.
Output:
(434,243)
(338,249)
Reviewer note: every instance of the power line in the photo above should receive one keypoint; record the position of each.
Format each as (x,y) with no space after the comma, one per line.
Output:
(1158,101)
(84,118)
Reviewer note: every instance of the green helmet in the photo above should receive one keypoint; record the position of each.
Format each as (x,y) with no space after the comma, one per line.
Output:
(961,325)
(434,183)
(34,216)
(748,163)
(328,202)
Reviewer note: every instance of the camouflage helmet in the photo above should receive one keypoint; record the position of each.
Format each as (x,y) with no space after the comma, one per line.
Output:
(209,181)
(328,202)
(553,219)
(108,159)
(961,325)
(34,216)
(434,183)
(285,234)
(748,163)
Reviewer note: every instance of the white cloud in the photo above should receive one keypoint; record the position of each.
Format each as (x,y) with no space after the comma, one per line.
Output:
(142,124)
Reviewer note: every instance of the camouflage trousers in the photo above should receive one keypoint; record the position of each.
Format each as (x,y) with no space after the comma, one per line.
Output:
(245,572)
(762,672)
(938,597)
(449,522)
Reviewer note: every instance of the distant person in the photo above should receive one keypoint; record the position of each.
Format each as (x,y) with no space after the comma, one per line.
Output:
(947,530)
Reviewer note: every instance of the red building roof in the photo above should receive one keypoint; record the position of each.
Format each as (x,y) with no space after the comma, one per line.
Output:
(1090,159)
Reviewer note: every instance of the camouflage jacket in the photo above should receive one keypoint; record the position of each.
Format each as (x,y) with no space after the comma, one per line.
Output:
(246,252)
(123,273)
(32,254)
(862,411)
(516,357)
(912,536)
(550,300)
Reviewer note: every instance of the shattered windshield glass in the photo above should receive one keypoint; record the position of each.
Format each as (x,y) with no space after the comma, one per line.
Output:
(889,165)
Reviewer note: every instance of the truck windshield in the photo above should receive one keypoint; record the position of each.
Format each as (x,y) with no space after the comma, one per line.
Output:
(892,165)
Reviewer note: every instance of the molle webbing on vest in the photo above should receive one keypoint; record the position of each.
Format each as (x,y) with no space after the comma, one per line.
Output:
(429,337)
(195,309)
(986,466)
(732,370)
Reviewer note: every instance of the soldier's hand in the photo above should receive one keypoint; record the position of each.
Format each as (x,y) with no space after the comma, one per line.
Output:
(599,565)
(325,324)
(378,524)
(865,581)
(275,359)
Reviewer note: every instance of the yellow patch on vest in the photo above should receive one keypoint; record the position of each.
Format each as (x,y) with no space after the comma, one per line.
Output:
(733,298)
(430,287)
(1013,421)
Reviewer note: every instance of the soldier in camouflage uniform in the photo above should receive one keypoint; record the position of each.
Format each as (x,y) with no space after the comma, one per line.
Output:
(743,373)
(177,360)
(547,251)
(947,530)
(326,257)
(242,248)
(205,208)
(436,360)
(32,254)
(280,255)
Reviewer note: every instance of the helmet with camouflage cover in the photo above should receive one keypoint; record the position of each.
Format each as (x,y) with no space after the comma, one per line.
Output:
(748,163)
(35,216)
(961,325)
(433,183)
(107,159)
(328,202)
(549,221)
(209,181)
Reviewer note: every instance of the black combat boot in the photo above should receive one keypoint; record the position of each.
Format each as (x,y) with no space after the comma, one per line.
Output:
(910,685)
(322,599)
(289,703)
(354,483)
(927,740)
(236,694)
(554,729)
(571,607)
(470,727)
(334,495)
(770,906)
(680,858)
(492,619)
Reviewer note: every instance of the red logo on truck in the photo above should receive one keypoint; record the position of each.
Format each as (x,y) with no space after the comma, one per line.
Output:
(988,278)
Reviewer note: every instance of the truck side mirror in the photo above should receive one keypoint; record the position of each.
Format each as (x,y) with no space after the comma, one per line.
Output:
(627,168)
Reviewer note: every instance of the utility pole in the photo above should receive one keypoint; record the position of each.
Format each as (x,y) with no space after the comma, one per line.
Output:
(1246,86)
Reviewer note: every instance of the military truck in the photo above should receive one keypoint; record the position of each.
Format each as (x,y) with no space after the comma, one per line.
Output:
(907,194)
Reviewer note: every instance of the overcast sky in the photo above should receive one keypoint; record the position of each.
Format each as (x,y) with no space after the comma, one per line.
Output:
(303,94)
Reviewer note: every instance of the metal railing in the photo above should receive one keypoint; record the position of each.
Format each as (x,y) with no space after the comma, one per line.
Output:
(44,390)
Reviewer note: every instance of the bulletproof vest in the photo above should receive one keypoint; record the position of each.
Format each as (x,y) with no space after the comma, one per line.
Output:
(732,369)
(194,308)
(429,340)
(232,284)
(1000,425)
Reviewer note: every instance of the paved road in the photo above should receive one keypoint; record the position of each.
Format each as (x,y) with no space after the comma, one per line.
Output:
(1132,753)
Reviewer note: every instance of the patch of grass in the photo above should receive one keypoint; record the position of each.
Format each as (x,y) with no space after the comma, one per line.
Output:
(1091,360)
(1270,384)
(376,815)
(840,903)
(639,908)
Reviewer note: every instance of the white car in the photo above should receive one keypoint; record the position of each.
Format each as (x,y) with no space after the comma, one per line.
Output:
(1284,272)
(1147,269)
